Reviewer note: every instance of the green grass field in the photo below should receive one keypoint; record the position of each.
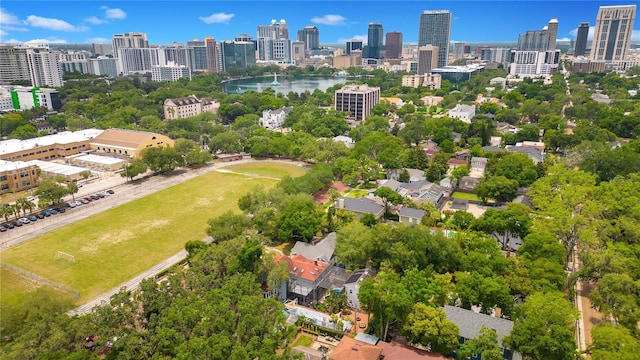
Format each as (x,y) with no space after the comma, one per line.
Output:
(114,246)
(465,196)
(303,340)
(357,193)
(277,170)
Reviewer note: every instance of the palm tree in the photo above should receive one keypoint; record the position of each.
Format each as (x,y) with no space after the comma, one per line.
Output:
(5,211)
(72,188)
(15,210)
(22,204)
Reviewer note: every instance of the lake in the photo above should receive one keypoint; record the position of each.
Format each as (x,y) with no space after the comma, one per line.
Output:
(298,85)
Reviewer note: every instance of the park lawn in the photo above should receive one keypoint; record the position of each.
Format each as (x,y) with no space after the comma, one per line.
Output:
(465,196)
(303,340)
(118,244)
(13,288)
(357,193)
(270,169)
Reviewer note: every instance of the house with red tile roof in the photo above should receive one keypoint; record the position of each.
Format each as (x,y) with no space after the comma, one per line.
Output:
(305,278)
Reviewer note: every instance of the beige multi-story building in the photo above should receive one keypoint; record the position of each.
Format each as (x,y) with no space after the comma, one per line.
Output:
(48,147)
(345,61)
(612,35)
(431,81)
(427,59)
(17,176)
(358,100)
(127,143)
(188,106)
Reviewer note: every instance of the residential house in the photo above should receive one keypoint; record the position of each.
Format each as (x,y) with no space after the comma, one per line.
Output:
(409,216)
(468,183)
(360,206)
(457,137)
(454,163)
(447,184)
(460,204)
(506,128)
(463,154)
(523,199)
(535,154)
(470,323)
(352,349)
(495,141)
(430,145)
(345,140)
(274,119)
(322,250)
(478,166)
(189,106)
(601,98)
(431,100)
(352,286)
(394,350)
(463,112)
(498,82)
(414,174)
(305,278)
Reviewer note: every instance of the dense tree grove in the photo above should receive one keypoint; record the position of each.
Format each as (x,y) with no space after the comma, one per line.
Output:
(585,212)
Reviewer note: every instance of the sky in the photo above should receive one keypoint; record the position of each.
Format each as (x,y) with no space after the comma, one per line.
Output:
(165,21)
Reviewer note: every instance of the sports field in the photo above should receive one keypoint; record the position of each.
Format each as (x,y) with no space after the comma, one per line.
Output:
(115,245)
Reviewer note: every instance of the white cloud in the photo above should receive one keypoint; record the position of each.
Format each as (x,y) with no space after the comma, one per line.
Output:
(98,40)
(94,20)
(8,18)
(635,35)
(219,18)
(46,41)
(52,24)
(564,39)
(3,33)
(12,41)
(14,28)
(329,20)
(362,38)
(117,14)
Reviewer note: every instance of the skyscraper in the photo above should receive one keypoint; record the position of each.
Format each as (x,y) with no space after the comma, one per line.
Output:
(212,54)
(540,40)
(44,67)
(612,35)
(435,29)
(375,38)
(581,39)
(273,42)
(13,64)
(136,40)
(353,45)
(427,59)
(199,55)
(310,35)
(552,30)
(394,45)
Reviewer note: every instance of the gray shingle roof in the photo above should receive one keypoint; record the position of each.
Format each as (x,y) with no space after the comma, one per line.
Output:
(470,323)
(360,205)
(323,250)
(412,213)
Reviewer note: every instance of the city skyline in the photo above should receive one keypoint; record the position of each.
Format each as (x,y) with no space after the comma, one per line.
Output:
(97,22)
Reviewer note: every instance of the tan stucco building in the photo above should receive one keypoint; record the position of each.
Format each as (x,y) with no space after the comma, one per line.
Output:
(127,143)
(17,176)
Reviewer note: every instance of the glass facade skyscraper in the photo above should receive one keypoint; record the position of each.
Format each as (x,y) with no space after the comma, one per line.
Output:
(581,40)
(375,40)
(435,29)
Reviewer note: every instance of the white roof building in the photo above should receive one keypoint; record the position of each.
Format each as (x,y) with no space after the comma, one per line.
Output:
(463,112)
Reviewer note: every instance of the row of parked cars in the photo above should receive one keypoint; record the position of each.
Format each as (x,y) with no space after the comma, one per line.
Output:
(53,211)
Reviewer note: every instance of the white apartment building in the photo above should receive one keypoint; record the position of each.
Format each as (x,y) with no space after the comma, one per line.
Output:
(534,62)
(25,98)
(463,112)
(358,100)
(170,72)
(188,106)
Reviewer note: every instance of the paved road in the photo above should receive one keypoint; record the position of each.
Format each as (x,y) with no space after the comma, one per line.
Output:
(125,192)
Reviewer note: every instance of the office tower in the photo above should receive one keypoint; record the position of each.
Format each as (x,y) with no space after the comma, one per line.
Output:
(353,45)
(102,49)
(310,35)
(13,64)
(236,54)
(137,60)
(612,35)
(394,45)
(212,56)
(177,54)
(103,65)
(435,29)
(273,42)
(458,50)
(44,67)
(358,100)
(243,38)
(298,52)
(499,55)
(374,40)
(199,55)
(136,40)
(427,58)
(552,30)
(580,48)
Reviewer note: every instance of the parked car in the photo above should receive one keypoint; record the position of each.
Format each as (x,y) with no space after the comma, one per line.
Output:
(3,229)
(32,218)
(61,210)
(100,195)
(71,204)
(32,198)
(77,202)
(47,213)
(9,225)
(53,211)
(40,215)
(17,223)
(95,197)
(88,198)
(111,191)
(84,201)
(24,220)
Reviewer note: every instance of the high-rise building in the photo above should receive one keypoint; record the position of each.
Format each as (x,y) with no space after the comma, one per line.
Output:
(44,67)
(580,48)
(236,54)
(13,64)
(358,100)
(612,35)
(178,54)
(136,40)
(375,38)
(499,55)
(199,55)
(273,42)
(427,58)
(539,40)
(212,56)
(394,45)
(524,62)
(103,65)
(310,35)
(102,49)
(552,30)
(435,29)
(458,50)
(298,52)
(353,45)
(170,72)
(243,38)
